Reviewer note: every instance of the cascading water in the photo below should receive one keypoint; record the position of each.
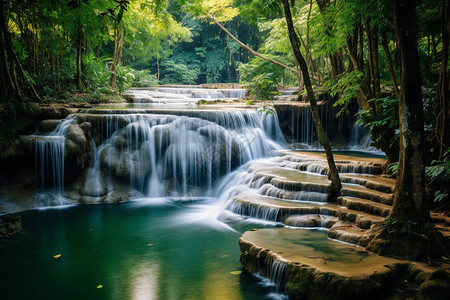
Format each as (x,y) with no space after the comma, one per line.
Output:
(361,138)
(49,165)
(168,155)
(343,132)
(185,95)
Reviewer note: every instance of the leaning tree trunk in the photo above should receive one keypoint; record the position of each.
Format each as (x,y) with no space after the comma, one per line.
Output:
(248,48)
(335,187)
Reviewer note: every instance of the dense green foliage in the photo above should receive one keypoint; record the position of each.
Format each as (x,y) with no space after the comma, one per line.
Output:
(438,176)
(49,47)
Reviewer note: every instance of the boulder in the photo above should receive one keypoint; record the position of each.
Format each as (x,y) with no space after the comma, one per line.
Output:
(304,221)
(76,134)
(87,129)
(77,150)
(116,197)
(48,125)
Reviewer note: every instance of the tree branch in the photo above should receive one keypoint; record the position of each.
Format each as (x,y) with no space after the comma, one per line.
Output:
(250,49)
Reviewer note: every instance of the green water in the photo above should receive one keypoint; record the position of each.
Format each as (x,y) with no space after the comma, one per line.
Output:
(134,250)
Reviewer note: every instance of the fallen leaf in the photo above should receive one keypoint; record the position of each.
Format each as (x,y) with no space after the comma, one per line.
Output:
(236,272)
(99,286)
(57,256)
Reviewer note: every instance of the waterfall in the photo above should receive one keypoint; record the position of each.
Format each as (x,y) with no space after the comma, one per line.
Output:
(182,94)
(360,138)
(49,164)
(277,274)
(343,132)
(178,155)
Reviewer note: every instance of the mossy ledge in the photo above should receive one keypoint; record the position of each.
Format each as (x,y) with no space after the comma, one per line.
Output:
(348,273)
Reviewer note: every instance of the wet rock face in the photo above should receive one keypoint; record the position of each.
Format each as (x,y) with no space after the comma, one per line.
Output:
(45,126)
(77,149)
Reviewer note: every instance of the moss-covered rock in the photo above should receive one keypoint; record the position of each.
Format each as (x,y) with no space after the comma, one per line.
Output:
(10,226)
(436,286)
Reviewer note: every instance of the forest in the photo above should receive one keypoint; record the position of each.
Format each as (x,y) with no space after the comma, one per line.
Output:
(64,51)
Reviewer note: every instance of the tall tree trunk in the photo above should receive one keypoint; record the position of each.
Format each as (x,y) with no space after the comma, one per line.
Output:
(374,70)
(361,48)
(336,59)
(335,187)
(9,60)
(79,47)
(117,54)
(352,48)
(13,60)
(443,89)
(409,196)
(337,63)
(157,67)
(390,65)
(7,80)
(408,236)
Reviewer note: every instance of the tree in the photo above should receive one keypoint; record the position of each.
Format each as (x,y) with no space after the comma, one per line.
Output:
(250,49)
(116,16)
(406,231)
(323,139)
(443,89)
(11,66)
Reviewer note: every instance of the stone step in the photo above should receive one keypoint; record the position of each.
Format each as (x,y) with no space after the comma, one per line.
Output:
(365,193)
(278,210)
(293,180)
(381,184)
(275,209)
(350,234)
(273,191)
(316,162)
(321,167)
(284,97)
(365,205)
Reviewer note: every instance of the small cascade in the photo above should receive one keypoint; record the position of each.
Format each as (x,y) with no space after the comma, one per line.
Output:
(269,214)
(272,273)
(343,131)
(49,164)
(276,272)
(182,94)
(360,139)
(308,196)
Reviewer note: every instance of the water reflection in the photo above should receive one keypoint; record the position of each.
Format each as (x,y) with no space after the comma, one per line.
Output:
(173,250)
